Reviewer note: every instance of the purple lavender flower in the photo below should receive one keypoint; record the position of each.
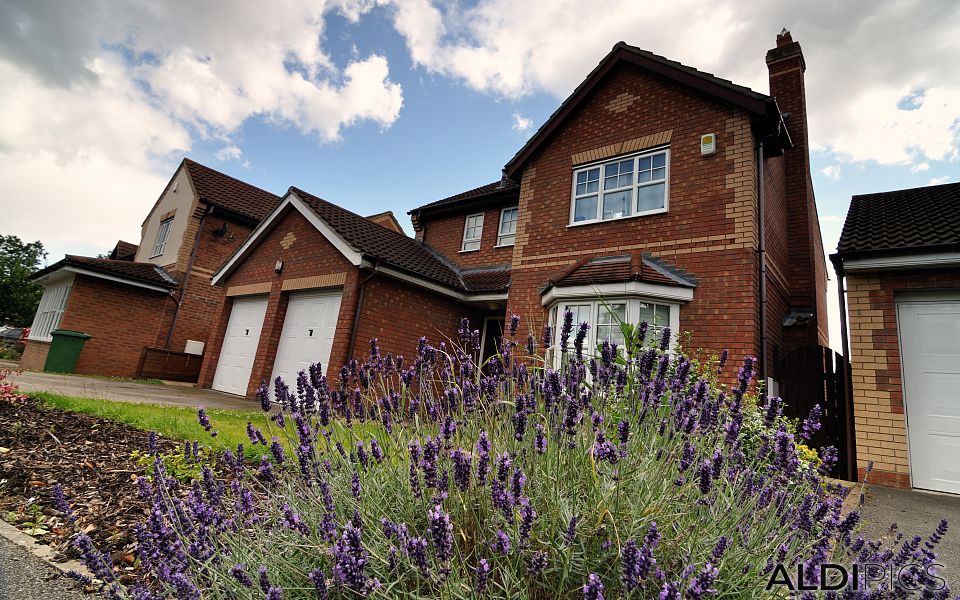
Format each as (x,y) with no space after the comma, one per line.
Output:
(702,584)
(263,395)
(571,533)
(540,440)
(461,468)
(441,532)
(362,455)
(483,575)
(502,544)
(723,361)
(277,451)
(665,339)
(319,580)
(565,329)
(350,559)
(503,466)
(274,593)
(514,323)
(355,485)
(670,591)
(547,336)
(705,476)
(537,563)
(718,551)
(417,550)
(376,451)
(204,420)
(811,424)
(593,588)
(61,504)
(527,517)
(239,572)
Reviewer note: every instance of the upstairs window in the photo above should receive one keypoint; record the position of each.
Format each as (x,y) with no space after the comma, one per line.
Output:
(507,233)
(621,188)
(163,232)
(472,230)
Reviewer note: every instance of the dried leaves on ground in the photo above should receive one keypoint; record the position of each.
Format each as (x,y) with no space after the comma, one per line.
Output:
(89,457)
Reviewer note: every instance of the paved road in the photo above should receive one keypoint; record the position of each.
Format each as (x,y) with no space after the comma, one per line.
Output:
(25,577)
(127,391)
(916,513)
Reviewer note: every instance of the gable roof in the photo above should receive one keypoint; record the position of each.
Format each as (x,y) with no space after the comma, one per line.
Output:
(125,270)
(924,219)
(505,189)
(124,251)
(229,193)
(378,242)
(387,219)
(762,108)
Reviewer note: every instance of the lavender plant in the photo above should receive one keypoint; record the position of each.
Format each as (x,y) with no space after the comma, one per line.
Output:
(632,472)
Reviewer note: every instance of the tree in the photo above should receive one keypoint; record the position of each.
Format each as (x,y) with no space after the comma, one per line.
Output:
(19,297)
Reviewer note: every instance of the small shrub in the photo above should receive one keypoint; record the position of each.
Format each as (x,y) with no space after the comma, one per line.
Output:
(633,473)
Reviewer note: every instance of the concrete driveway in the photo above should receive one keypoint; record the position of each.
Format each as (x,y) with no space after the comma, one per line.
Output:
(916,513)
(127,391)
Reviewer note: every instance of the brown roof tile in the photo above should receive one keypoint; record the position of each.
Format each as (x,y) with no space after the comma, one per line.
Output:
(230,193)
(124,269)
(487,280)
(616,269)
(917,219)
(505,188)
(379,242)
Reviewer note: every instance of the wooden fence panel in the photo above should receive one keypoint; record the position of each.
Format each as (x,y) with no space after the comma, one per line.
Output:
(157,363)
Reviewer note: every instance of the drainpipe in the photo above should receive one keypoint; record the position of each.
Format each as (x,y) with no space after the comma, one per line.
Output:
(186,277)
(762,252)
(358,308)
(850,432)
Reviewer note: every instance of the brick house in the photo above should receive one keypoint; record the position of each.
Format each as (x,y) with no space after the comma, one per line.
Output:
(675,196)
(156,293)
(900,254)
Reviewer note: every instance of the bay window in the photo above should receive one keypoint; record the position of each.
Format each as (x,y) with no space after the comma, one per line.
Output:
(605,316)
(621,188)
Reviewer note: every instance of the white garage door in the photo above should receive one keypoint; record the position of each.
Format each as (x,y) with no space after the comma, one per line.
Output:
(240,345)
(930,351)
(307,336)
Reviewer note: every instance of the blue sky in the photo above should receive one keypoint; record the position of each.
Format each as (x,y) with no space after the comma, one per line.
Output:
(387,104)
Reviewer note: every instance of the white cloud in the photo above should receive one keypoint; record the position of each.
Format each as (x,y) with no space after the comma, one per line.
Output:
(521,124)
(868,99)
(938,180)
(920,167)
(831,172)
(100,99)
(228,153)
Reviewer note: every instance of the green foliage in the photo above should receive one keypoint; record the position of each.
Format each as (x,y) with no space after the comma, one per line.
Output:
(18,296)
(175,464)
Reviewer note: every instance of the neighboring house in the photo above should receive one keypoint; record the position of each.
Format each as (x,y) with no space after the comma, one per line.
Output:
(900,255)
(675,196)
(156,294)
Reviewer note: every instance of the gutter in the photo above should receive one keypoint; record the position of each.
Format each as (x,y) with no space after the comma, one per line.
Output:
(762,252)
(358,308)
(850,432)
(186,276)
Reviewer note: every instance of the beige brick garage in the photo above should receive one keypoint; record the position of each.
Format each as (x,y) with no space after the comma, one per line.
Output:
(900,255)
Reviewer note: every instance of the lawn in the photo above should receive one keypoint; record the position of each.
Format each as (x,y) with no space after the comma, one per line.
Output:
(168,421)
(181,424)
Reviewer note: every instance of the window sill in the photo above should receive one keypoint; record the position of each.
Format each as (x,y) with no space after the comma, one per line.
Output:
(505,245)
(469,251)
(648,213)
(155,255)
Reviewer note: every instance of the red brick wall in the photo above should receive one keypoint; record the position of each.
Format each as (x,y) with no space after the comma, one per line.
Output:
(34,355)
(201,299)
(777,256)
(121,318)
(875,360)
(446,236)
(710,229)
(305,253)
(397,315)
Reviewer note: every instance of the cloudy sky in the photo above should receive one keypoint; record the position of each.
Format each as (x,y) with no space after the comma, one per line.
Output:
(385,105)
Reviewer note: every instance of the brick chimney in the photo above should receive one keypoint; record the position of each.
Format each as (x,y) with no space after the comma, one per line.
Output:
(806,267)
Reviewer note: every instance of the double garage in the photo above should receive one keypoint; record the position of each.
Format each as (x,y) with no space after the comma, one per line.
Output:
(306,337)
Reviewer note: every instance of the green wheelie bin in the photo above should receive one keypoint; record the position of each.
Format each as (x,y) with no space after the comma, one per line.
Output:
(64,350)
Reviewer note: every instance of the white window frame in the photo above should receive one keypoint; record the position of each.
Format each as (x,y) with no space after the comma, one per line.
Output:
(467,244)
(50,310)
(508,239)
(596,305)
(163,234)
(636,185)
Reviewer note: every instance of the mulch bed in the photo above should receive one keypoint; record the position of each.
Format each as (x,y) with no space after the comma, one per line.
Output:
(90,458)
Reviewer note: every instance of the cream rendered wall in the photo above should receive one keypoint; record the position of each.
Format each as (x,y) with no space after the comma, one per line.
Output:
(180,197)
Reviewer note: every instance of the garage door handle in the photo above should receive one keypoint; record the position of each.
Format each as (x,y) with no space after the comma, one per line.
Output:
(246,332)
(311,333)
